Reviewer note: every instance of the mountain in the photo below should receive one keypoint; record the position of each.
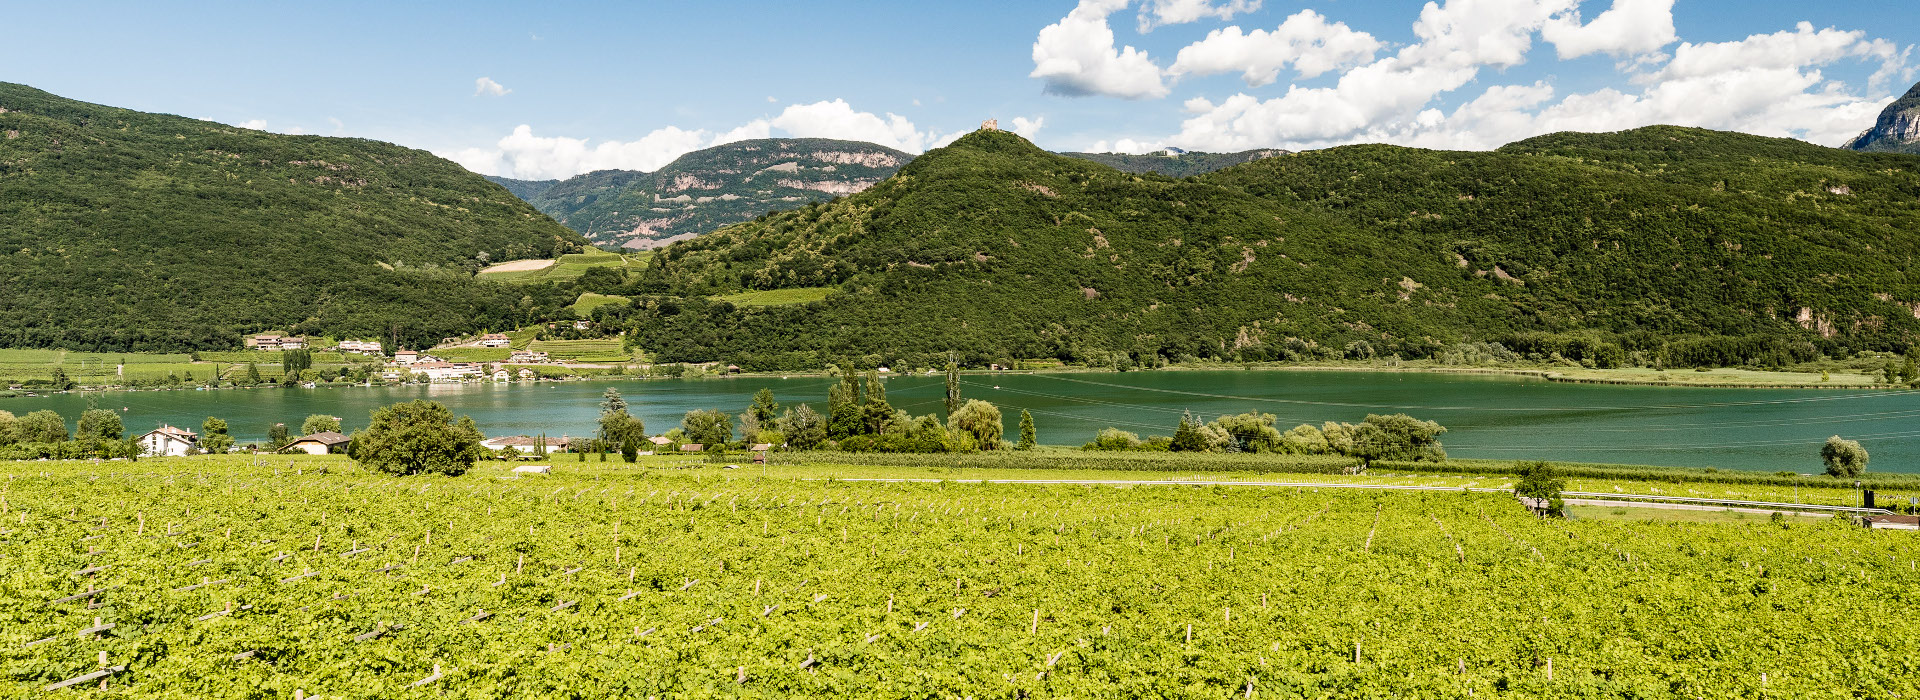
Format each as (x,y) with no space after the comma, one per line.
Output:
(1657,245)
(1897,130)
(526,190)
(1176,163)
(710,188)
(122,230)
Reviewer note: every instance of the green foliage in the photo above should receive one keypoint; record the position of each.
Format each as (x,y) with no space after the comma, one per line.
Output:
(41,426)
(1540,480)
(421,437)
(214,438)
(320,423)
(277,437)
(802,427)
(764,407)
(1397,437)
(710,428)
(980,420)
(99,424)
(1182,165)
(139,231)
(1028,437)
(953,388)
(1114,439)
(9,428)
(1844,458)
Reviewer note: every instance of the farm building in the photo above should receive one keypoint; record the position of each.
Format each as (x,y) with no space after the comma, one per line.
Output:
(168,441)
(318,443)
(364,347)
(495,340)
(501,375)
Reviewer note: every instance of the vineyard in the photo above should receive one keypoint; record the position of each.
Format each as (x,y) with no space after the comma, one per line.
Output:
(269,576)
(600,350)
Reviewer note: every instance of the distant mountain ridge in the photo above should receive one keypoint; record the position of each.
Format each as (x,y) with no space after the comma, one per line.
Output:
(1174,163)
(708,189)
(1898,128)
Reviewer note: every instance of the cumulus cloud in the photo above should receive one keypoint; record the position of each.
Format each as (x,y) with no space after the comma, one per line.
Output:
(1629,28)
(254,124)
(1076,57)
(486,87)
(1157,13)
(1769,84)
(1305,41)
(522,154)
(1026,128)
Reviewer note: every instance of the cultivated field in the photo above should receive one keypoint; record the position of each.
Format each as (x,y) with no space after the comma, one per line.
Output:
(223,576)
(777,297)
(565,268)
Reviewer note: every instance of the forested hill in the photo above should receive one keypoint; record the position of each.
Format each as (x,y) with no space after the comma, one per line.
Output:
(709,188)
(1176,164)
(1681,245)
(122,230)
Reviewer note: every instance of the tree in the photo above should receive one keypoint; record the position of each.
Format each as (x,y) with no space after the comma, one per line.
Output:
(953,389)
(1540,480)
(41,426)
(1187,438)
(629,449)
(213,436)
(296,361)
(803,427)
(9,428)
(1844,458)
(420,437)
(875,413)
(764,408)
(619,426)
(1027,435)
(979,419)
(611,402)
(60,380)
(277,437)
(253,373)
(708,428)
(99,424)
(843,408)
(1397,437)
(319,423)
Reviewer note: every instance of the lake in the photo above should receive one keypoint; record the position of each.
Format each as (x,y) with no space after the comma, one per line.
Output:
(1487,416)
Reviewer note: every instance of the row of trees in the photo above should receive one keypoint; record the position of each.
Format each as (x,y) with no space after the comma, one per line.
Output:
(1396,437)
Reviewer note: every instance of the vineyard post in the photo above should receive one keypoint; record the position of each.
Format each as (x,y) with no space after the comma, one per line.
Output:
(1036,622)
(1356,652)
(1189,634)
(1549,668)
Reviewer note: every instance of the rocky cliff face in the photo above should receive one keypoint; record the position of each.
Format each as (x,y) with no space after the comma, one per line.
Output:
(1897,130)
(708,189)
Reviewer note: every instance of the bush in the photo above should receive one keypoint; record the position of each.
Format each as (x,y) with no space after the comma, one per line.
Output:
(421,437)
(1844,458)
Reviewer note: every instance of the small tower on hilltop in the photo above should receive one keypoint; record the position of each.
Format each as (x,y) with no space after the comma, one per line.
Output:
(990,125)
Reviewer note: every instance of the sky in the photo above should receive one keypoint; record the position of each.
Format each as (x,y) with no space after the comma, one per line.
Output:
(555,89)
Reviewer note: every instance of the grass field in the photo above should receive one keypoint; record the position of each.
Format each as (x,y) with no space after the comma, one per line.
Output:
(589,301)
(676,579)
(471,354)
(599,350)
(572,265)
(777,297)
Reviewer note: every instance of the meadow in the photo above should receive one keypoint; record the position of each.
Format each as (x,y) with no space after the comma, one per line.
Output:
(268,576)
(570,266)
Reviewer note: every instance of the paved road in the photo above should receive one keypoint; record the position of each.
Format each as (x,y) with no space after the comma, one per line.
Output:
(1630,500)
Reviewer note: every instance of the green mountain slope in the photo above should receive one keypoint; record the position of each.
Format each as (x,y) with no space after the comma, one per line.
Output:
(714,187)
(1656,245)
(121,230)
(525,189)
(1185,164)
(1898,128)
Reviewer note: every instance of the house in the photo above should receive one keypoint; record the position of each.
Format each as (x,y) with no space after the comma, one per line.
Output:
(364,347)
(759,451)
(318,443)
(526,374)
(501,375)
(445,371)
(495,340)
(405,357)
(293,343)
(693,447)
(733,369)
(659,441)
(1893,522)
(264,341)
(526,356)
(167,441)
(527,445)
(582,325)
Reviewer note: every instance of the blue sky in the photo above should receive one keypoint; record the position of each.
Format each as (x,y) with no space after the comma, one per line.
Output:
(575,86)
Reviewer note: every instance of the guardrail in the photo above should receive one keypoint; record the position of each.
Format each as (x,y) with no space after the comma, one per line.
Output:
(1725,502)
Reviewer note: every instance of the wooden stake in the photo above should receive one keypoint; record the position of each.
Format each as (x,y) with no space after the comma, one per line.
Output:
(1036,622)
(1356,652)
(1189,634)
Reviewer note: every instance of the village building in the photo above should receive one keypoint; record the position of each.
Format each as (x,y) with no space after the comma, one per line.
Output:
(525,356)
(582,325)
(318,443)
(526,444)
(693,447)
(495,340)
(405,357)
(264,341)
(526,374)
(659,441)
(501,375)
(445,371)
(364,347)
(293,343)
(167,441)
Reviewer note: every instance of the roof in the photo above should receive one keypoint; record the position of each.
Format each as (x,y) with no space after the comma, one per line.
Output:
(328,438)
(172,431)
(523,441)
(495,336)
(692,447)
(761,447)
(659,440)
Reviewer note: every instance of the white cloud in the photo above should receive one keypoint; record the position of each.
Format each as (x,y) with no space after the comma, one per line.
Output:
(1629,28)
(1027,128)
(254,124)
(1125,146)
(1076,56)
(1305,41)
(485,86)
(1157,13)
(522,154)
(1769,84)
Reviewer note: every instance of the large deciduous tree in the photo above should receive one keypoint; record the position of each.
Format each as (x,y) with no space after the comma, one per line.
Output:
(1844,458)
(421,437)
(710,428)
(213,436)
(41,426)
(320,423)
(981,420)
